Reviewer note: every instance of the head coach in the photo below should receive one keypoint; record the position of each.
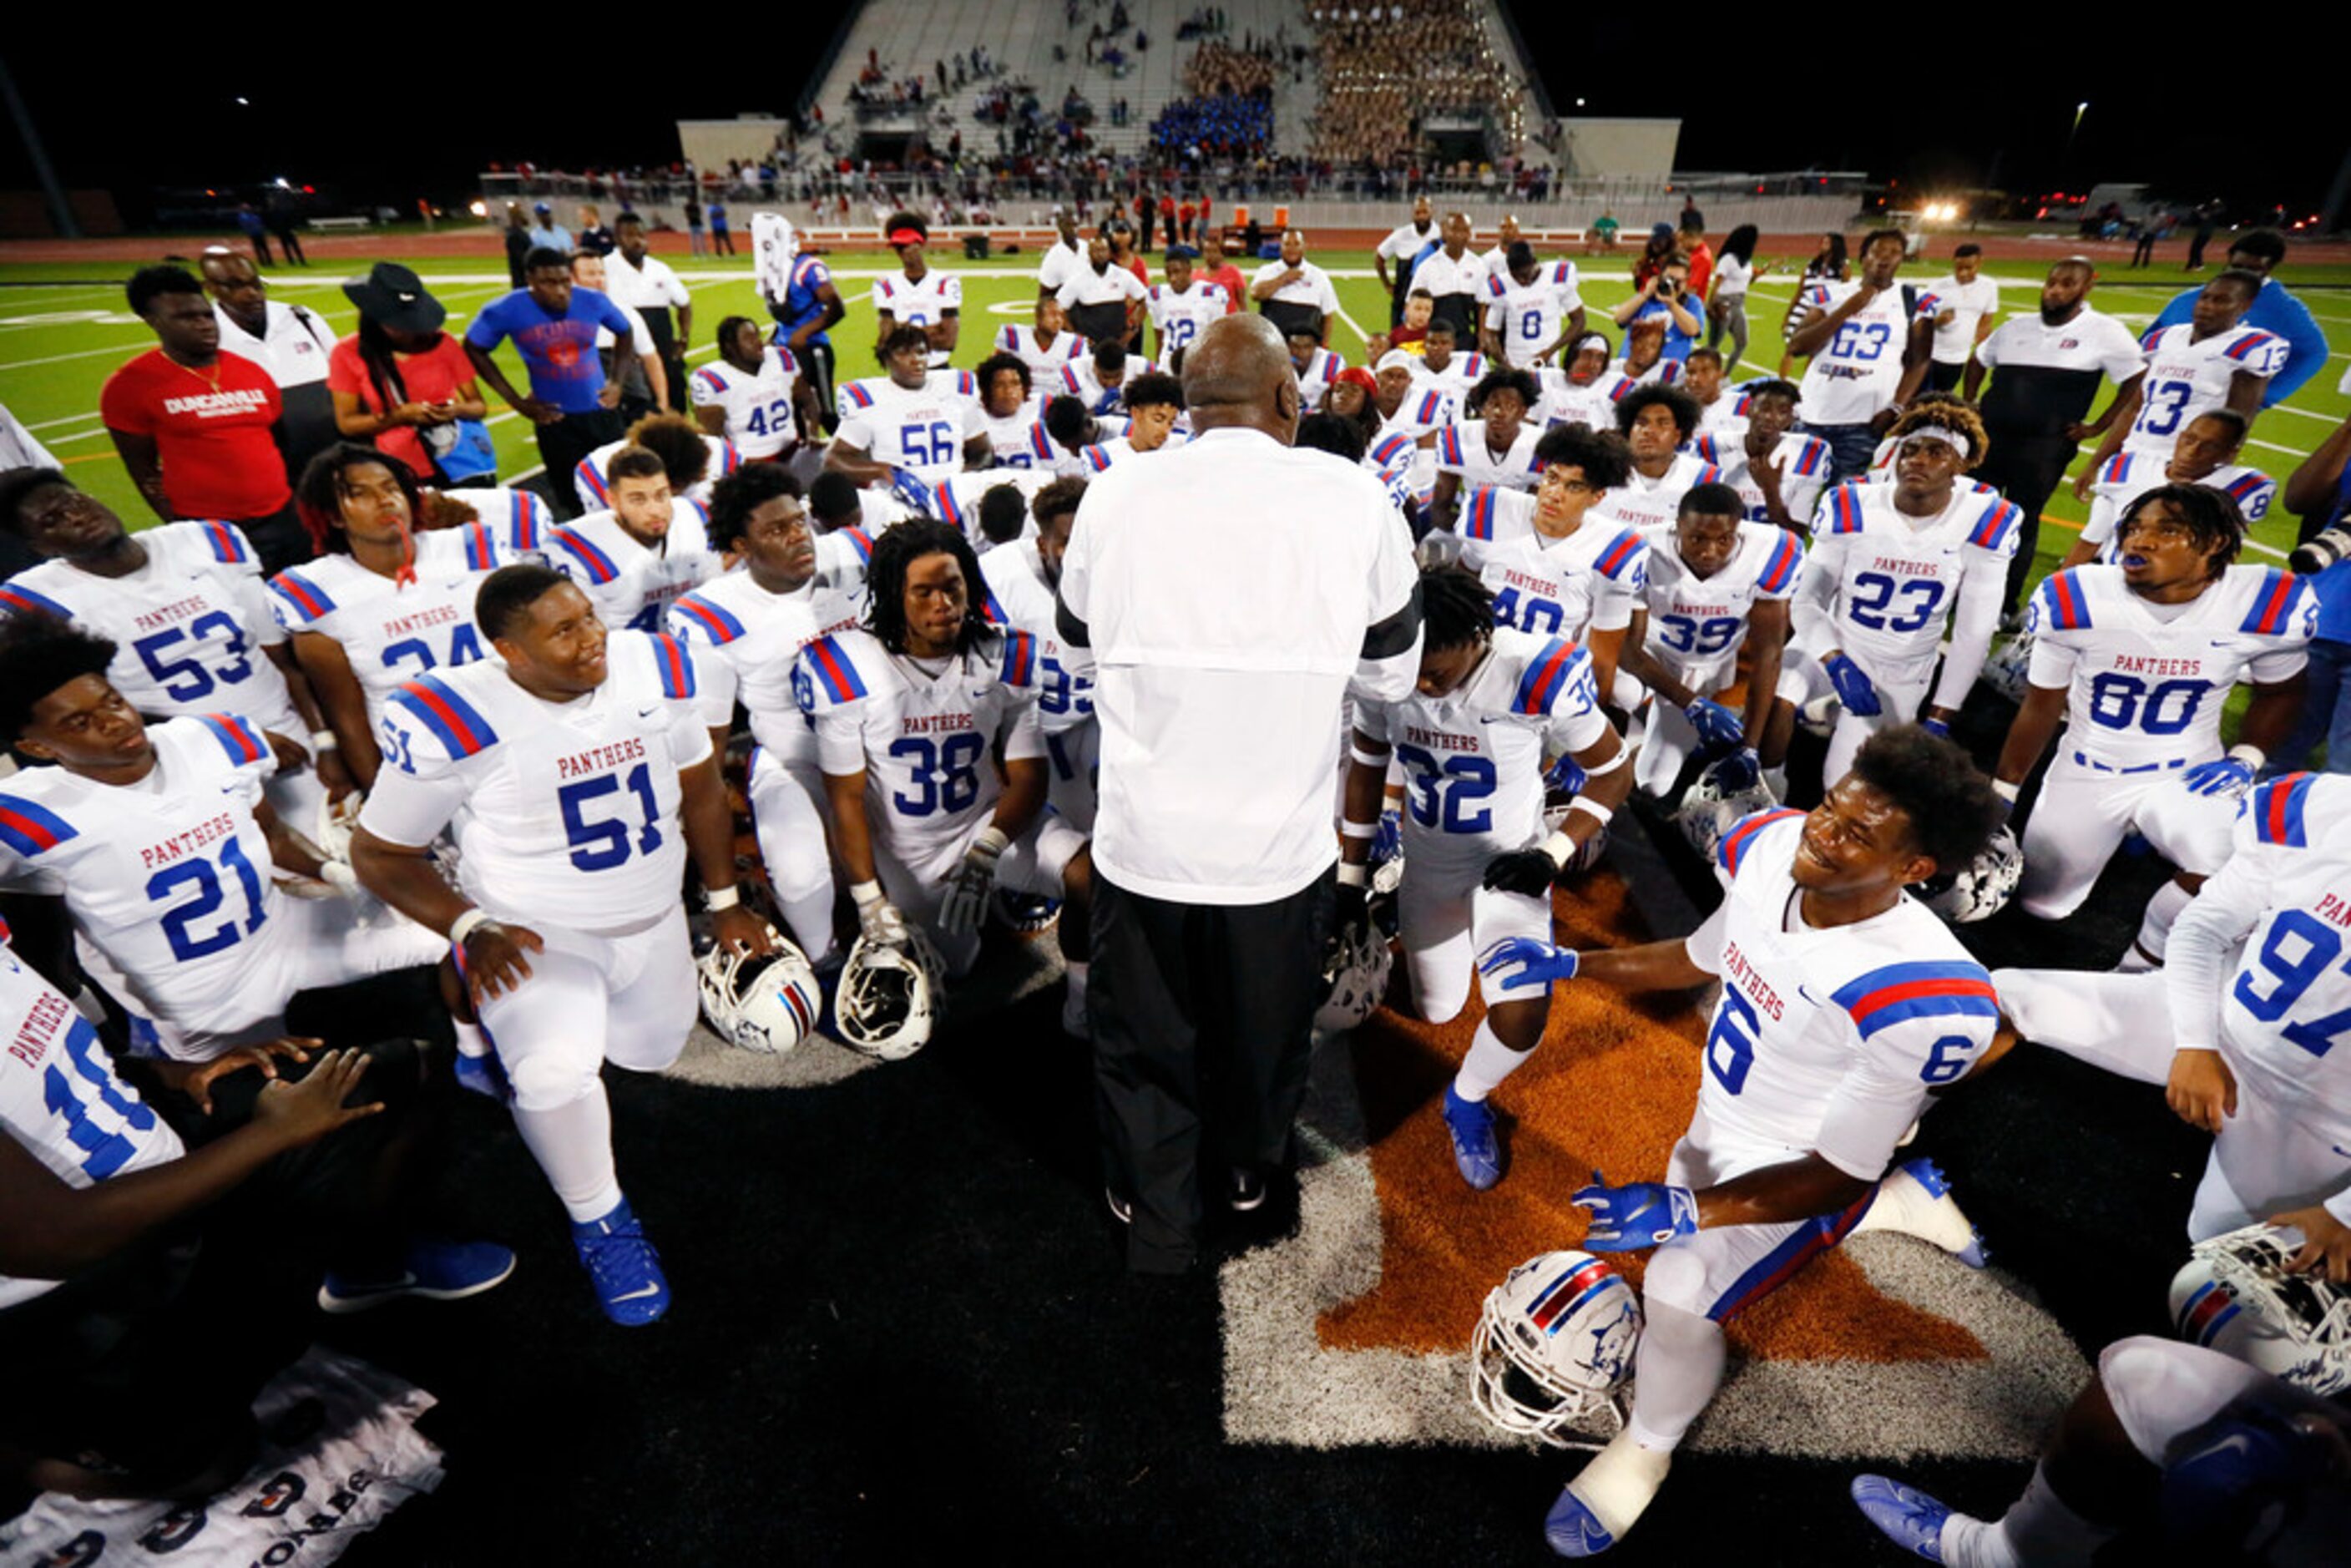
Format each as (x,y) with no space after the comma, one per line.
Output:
(1232,593)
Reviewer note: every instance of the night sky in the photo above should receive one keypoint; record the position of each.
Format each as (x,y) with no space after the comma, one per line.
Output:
(163,112)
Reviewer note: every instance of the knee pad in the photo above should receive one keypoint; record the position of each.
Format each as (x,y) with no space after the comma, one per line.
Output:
(546,1081)
(1675,1277)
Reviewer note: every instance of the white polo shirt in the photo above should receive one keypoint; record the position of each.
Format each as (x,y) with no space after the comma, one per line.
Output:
(293,348)
(1969,303)
(1224,642)
(644,288)
(1312,286)
(1441,275)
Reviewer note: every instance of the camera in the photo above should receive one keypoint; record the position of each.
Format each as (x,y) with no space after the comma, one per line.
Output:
(2321,551)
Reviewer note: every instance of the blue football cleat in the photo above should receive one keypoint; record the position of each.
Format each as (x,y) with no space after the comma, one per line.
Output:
(431,1271)
(1477,1152)
(1573,1530)
(1910,1519)
(623,1267)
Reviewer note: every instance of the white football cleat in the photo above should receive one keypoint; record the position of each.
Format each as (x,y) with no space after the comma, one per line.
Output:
(1915,1199)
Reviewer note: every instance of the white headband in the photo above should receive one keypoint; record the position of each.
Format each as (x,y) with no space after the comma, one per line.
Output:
(1394,359)
(1943,434)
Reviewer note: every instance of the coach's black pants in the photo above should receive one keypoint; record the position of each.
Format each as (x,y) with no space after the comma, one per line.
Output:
(563,445)
(1200,1012)
(2026,470)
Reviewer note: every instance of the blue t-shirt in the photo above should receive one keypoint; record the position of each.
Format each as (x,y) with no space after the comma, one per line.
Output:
(2333,586)
(2273,310)
(1678,343)
(559,352)
(800,300)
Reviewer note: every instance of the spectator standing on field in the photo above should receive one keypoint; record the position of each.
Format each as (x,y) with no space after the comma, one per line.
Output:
(2259,252)
(290,341)
(553,326)
(1968,308)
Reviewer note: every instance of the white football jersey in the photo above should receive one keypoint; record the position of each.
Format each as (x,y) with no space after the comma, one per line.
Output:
(921,430)
(1473,759)
(1405,440)
(1098,458)
(590,484)
(1529,317)
(565,812)
(924,302)
(2187,378)
(957,502)
(1552,587)
(1825,1042)
(1644,502)
(922,740)
(61,1100)
(1462,372)
(1321,368)
(760,422)
(1698,624)
(1079,380)
(169,878)
(1621,377)
(1020,440)
(2147,691)
(2287,886)
(519,520)
(1803,463)
(1725,419)
(631,584)
(1591,404)
(1019,596)
(1462,449)
(1857,372)
(1184,315)
(744,638)
(2128,475)
(392,632)
(1045,360)
(188,627)
(1895,581)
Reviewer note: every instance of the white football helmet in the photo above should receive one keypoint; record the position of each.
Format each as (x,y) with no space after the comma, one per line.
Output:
(889,997)
(1355,968)
(769,1003)
(1554,1348)
(336,820)
(1710,808)
(1981,888)
(2234,1296)
(2004,671)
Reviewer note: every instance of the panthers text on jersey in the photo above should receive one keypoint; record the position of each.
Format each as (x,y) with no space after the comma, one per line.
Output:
(1825,1042)
(1181,315)
(589,483)
(391,631)
(919,429)
(1857,372)
(631,583)
(61,1100)
(758,405)
(1644,502)
(1882,585)
(1473,759)
(1463,449)
(1696,624)
(189,627)
(744,640)
(1586,581)
(2127,475)
(1802,463)
(2146,688)
(2187,376)
(1529,317)
(922,740)
(565,812)
(919,302)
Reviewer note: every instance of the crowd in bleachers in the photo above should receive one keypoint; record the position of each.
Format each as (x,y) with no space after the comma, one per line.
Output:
(1386,68)
(1220,125)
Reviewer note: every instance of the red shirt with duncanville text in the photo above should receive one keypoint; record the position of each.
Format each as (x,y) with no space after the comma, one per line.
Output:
(212,431)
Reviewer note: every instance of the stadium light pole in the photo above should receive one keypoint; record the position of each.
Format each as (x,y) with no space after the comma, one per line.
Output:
(61,212)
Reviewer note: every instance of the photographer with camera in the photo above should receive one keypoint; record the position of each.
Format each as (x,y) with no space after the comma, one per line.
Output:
(2319,492)
(1666,295)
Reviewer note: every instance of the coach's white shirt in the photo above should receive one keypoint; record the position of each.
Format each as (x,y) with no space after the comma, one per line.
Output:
(1310,286)
(1224,642)
(293,349)
(1441,275)
(641,289)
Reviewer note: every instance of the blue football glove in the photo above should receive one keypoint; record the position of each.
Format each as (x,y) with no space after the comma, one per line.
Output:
(1535,963)
(1737,773)
(1718,728)
(1936,727)
(1563,777)
(1852,687)
(910,490)
(2231,776)
(1389,843)
(1638,1214)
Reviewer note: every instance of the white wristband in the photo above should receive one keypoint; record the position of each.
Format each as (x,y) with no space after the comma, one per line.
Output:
(866,893)
(464,925)
(991,843)
(2251,756)
(723,898)
(2006,791)
(1354,873)
(1348,829)
(1590,808)
(1561,849)
(1368,759)
(322,740)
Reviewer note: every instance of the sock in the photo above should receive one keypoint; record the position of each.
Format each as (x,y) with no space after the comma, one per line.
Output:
(573,1145)
(471,1041)
(1776,780)
(2155,928)
(2038,1528)
(1489,1062)
(808,917)
(1677,1371)
(1076,970)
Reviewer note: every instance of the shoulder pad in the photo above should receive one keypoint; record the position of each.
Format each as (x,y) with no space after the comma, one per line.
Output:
(857,395)
(572,550)
(2118,469)
(19,600)
(27,827)
(298,595)
(1780,568)
(1844,507)
(2248,485)
(2276,810)
(431,702)
(2060,604)
(1449,445)
(1811,458)
(1710,474)
(1477,517)
(236,737)
(708,380)
(2283,606)
(524,511)
(589,477)
(832,672)
(1018,668)
(672,664)
(1624,553)
(1956,988)
(228,545)
(1732,851)
(1996,531)
(967,384)
(695,615)
(730,458)
(1548,674)
(1096,459)
(1707,449)
(2250,341)
(2152,336)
